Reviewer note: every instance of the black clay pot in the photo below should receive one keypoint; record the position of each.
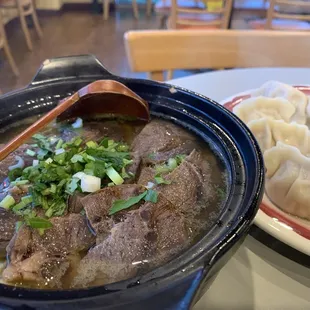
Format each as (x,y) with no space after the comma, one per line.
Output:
(178,284)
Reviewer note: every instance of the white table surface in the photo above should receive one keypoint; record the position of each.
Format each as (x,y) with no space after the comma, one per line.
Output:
(256,277)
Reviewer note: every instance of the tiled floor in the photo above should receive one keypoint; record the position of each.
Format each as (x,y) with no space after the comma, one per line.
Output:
(72,33)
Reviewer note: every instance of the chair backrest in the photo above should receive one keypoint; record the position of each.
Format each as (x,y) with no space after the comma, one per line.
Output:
(287,9)
(214,13)
(160,50)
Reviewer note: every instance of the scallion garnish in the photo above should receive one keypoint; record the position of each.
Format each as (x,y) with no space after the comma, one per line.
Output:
(30,152)
(92,144)
(119,205)
(7,202)
(114,176)
(38,222)
(61,168)
(171,164)
(49,160)
(59,144)
(19,182)
(161,180)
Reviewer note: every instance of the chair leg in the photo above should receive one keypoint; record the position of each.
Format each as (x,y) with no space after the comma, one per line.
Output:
(106,9)
(36,22)
(10,58)
(135,9)
(169,75)
(148,7)
(25,30)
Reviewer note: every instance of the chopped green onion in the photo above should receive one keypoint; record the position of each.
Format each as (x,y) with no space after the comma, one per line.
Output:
(151,196)
(161,180)
(90,184)
(91,158)
(15,173)
(122,148)
(7,202)
(42,153)
(49,212)
(72,186)
(59,151)
(41,231)
(30,153)
(119,205)
(91,144)
(59,144)
(172,163)
(111,184)
(114,176)
(124,174)
(53,188)
(38,222)
(19,182)
(26,199)
(104,142)
(42,141)
(52,140)
(127,161)
(18,225)
(46,192)
(18,207)
(49,160)
(60,158)
(79,175)
(180,158)
(77,158)
(77,141)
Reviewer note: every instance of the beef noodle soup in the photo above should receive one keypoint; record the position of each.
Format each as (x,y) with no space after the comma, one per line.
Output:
(96,202)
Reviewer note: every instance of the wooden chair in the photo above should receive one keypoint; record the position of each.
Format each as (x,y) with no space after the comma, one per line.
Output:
(279,20)
(205,17)
(106,4)
(4,44)
(163,8)
(160,50)
(25,8)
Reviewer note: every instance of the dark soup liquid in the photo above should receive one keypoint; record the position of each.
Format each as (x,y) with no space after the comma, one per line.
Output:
(95,202)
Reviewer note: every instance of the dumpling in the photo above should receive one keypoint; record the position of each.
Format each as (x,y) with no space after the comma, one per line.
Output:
(274,89)
(288,179)
(268,132)
(262,107)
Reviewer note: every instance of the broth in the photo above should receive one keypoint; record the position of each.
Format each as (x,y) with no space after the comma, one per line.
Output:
(161,187)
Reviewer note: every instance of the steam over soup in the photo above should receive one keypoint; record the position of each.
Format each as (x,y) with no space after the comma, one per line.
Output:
(95,203)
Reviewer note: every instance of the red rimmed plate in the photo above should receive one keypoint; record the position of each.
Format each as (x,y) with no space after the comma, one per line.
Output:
(287,228)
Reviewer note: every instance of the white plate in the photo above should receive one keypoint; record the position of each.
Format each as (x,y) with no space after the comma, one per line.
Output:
(287,228)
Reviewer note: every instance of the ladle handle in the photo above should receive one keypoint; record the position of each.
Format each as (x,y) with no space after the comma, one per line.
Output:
(70,68)
(64,109)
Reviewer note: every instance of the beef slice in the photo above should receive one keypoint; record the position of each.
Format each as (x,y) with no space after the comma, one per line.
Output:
(7,229)
(97,205)
(44,259)
(148,236)
(186,183)
(170,140)
(118,256)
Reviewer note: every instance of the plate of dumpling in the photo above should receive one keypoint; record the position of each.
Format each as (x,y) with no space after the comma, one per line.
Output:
(279,117)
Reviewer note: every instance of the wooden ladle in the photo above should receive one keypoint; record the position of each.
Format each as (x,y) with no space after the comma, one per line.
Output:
(97,98)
